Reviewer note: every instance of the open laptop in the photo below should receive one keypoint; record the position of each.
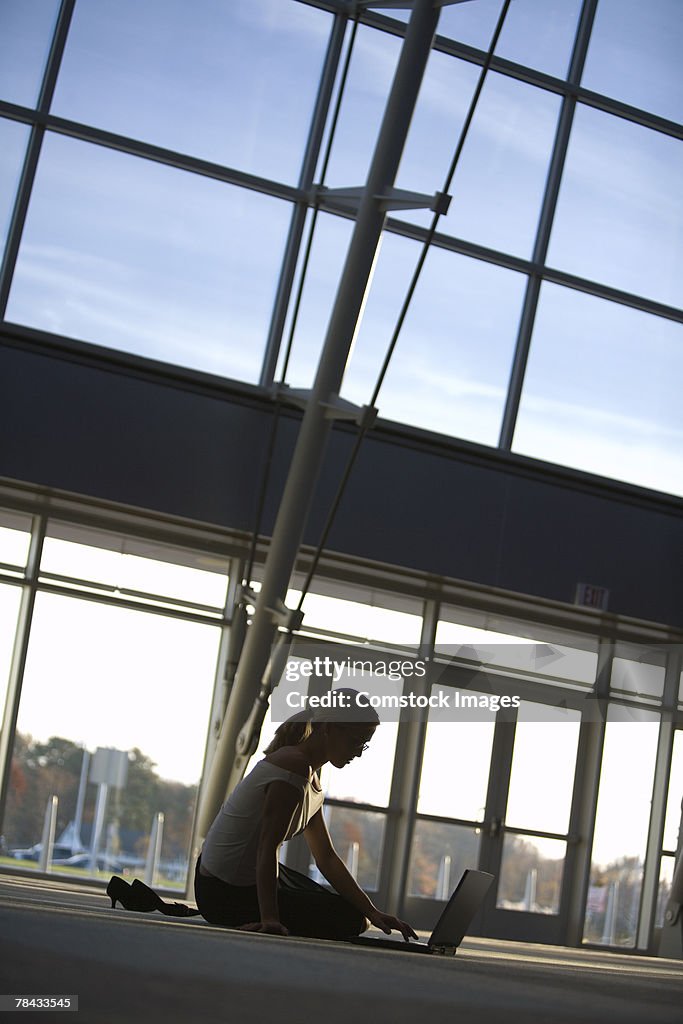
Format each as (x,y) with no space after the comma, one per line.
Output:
(452,925)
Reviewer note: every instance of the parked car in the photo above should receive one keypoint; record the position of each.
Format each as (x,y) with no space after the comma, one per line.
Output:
(65,857)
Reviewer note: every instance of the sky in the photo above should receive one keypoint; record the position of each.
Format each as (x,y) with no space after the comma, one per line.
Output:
(164,263)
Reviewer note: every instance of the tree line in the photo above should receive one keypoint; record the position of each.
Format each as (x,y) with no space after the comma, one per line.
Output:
(41,769)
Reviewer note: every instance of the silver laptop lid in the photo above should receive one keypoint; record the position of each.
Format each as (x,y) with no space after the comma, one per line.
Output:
(460,910)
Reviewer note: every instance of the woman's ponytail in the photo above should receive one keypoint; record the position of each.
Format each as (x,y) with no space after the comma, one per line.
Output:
(295,730)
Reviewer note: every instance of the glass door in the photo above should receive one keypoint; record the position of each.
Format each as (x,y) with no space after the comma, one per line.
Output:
(526,833)
(497,795)
(451,813)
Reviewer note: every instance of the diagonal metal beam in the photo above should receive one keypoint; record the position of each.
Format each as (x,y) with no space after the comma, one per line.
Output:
(229,763)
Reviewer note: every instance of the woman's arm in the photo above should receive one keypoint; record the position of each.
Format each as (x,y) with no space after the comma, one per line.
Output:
(281,804)
(338,875)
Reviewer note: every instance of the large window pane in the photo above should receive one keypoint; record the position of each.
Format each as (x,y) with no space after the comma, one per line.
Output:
(531,874)
(465,747)
(15,538)
(498,185)
(358,837)
(635,54)
(450,368)
(601,391)
(674,803)
(25,32)
(439,855)
(466,635)
(132,564)
(13,140)
(538,33)
(100,676)
(148,259)
(367,779)
(638,672)
(621,827)
(620,208)
(229,82)
(367,615)
(543,766)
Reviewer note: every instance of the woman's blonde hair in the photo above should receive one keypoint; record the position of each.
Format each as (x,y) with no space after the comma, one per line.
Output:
(300,726)
(292,732)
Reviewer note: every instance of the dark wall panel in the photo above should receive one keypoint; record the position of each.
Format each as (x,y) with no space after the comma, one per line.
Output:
(109,435)
(447,509)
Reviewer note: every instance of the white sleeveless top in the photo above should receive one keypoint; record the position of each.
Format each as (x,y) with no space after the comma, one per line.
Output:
(229,850)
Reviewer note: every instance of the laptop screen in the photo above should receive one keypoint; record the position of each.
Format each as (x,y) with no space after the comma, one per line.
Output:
(462,906)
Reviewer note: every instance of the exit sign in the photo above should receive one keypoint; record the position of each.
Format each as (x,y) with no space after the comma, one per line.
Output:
(590,596)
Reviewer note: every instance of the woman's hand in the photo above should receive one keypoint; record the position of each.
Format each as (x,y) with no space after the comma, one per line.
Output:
(387,921)
(268,927)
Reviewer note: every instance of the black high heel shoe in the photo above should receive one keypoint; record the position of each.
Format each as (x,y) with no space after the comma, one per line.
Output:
(139,896)
(118,889)
(147,899)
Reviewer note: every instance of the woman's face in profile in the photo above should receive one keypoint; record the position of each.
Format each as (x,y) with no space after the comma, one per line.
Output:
(346,742)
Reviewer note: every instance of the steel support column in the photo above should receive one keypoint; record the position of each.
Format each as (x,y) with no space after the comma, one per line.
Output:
(8,724)
(650,889)
(309,453)
(585,800)
(405,785)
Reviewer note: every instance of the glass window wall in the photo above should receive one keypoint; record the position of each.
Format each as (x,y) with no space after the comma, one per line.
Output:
(126,253)
(638,673)
(498,185)
(133,566)
(601,391)
(634,54)
(465,636)
(531,874)
(465,748)
(104,676)
(230,83)
(439,855)
(15,538)
(621,827)
(358,837)
(620,211)
(148,259)
(543,766)
(674,804)
(26,28)
(450,368)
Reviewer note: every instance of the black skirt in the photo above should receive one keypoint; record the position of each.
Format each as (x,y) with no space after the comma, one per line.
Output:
(306,908)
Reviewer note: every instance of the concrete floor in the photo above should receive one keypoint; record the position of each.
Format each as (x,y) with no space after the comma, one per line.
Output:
(58,939)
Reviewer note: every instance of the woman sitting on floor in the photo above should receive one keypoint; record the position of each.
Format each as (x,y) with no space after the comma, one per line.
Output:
(238,879)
